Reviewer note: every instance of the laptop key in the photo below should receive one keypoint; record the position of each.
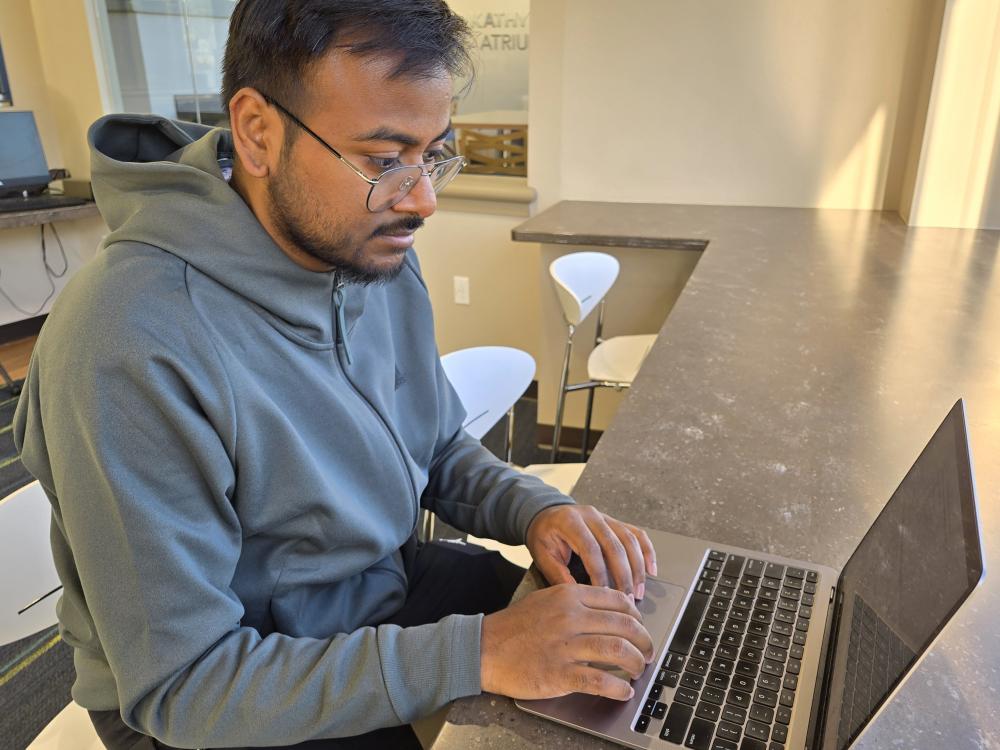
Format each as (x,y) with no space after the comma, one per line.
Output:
(757,628)
(761,713)
(642,724)
(673,661)
(783,715)
(744,683)
(807,600)
(676,723)
(713,695)
(786,698)
(709,575)
(656,691)
(751,654)
(713,565)
(779,733)
(764,605)
(812,576)
(795,573)
(755,641)
(716,555)
(785,616)
(747,668)
(648,707)
(699,736)
(704,587)
(668,678)
(707,711)
(791,681)
(697,666)
(755,567)
(805,612)
(775,668)
(793,583)
(738,698)
(710,626)
(779,641)
(781,628)
(769,682)
(757,730)
(728,652)
(809,588)
(692,681)
(722,744)
(722,665)
(749,743)
(799,639)
(734,714)
(775,746)
(794,666)
(771,584)
(778,654)
(730,582)
(688,626)
(795,651)
(773,570)
(659,710)
(734,564)
(728,731)
(768,593)
(740,614)
(802,624)
(702,652)
(686,696)
(766,698)
(717,680)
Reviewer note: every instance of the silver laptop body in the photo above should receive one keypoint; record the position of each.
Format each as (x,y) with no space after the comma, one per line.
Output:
(762,652)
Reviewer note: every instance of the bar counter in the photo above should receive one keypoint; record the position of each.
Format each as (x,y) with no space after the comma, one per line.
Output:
(808,360)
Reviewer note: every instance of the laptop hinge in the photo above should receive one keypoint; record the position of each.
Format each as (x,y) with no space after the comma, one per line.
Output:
(821,696)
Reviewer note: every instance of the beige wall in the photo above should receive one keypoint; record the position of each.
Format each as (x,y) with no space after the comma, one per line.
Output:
(22,274)
(503,280)
(764,102)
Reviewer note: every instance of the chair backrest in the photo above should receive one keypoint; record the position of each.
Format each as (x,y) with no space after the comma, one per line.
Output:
(489,380)
(582,280)
(26,568)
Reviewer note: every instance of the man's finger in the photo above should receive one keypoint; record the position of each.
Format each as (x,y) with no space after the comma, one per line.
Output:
(611,650)
(583,679)
(612,600)
(635,559)
(615,556)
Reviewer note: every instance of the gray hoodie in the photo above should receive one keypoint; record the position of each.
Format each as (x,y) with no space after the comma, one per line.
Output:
(233,472)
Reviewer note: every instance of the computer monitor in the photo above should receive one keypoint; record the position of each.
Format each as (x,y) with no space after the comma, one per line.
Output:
(22,161)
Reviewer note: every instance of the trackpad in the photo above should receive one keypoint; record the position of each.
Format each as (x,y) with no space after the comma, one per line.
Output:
(659,608)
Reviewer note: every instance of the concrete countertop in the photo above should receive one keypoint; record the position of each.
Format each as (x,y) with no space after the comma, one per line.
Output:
(807,362)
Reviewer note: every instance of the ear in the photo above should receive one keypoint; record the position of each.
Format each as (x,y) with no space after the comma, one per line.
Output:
(258,132)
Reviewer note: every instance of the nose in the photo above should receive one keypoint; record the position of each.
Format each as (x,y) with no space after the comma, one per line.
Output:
(421,200)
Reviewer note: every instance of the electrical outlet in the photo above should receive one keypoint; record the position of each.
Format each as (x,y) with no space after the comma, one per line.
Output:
(461,284)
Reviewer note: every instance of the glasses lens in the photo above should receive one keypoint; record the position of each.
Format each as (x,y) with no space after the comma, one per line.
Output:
(445,172)
(393,186)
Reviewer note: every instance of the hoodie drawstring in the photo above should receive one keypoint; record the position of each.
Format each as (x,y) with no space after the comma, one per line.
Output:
(338,304)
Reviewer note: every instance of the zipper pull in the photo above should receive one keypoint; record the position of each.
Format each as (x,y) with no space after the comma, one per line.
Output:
(338,303)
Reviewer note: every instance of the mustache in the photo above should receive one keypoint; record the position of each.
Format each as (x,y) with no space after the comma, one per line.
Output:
(409,225)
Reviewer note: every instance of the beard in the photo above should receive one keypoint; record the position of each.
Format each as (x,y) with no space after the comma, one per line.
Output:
(304,224)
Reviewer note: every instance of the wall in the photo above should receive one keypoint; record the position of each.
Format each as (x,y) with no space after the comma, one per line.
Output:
(767,102)
(22,274)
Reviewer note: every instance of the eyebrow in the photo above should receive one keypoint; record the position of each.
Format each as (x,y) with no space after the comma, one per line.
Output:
(387,134)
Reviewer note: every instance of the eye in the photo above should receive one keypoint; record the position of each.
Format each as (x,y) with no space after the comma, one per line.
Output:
(433,157)
(384,162)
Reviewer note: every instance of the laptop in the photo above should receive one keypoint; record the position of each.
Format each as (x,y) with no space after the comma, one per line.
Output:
(24,173)
(761,652)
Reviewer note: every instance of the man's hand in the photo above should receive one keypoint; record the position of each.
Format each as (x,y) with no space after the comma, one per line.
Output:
(541,646)
(614,553)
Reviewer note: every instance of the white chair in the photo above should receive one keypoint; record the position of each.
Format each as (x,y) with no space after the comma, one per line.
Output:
(582,281)
(489,380)
(28,586)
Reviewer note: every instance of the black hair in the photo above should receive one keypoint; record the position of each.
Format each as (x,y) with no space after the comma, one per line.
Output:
(272,43)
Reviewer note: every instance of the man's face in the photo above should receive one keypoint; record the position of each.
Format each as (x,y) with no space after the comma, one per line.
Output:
(318,203)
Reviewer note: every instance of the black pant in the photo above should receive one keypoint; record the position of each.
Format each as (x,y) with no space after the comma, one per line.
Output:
(445,579)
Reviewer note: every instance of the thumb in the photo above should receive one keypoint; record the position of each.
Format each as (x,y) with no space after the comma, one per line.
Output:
(554,570)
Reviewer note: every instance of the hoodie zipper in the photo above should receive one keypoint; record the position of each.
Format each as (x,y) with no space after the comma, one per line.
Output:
(341,339)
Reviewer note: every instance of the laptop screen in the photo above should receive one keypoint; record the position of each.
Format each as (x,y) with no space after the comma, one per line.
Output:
(915,566)
(22,161)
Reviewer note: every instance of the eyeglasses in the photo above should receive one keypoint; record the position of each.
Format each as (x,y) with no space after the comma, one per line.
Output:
(390,187)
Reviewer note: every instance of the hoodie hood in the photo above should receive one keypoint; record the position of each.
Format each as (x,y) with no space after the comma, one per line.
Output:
(159,182)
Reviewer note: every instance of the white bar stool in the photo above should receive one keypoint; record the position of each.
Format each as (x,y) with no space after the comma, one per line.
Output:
(582,281)
(28,586)
(489,380)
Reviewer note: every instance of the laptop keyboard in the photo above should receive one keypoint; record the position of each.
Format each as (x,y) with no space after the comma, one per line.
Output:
(732,669)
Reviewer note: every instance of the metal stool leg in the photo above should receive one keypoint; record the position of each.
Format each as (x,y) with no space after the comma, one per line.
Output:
(560,408)
(586,423)
(508,440)
(8,382)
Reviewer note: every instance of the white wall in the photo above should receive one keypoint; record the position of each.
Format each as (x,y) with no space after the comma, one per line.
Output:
(762,102)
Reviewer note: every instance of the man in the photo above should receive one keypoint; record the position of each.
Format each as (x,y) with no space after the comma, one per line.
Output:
(237,410)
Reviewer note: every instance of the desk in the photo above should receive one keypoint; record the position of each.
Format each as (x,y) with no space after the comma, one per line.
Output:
(47,215)
(805,365)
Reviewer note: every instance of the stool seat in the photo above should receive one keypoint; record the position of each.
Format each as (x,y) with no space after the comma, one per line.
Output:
(618,359)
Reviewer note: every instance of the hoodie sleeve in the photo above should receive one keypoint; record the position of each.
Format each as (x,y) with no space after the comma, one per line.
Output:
(129,432)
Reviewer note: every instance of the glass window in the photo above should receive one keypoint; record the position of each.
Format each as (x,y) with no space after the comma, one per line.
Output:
(6,98)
